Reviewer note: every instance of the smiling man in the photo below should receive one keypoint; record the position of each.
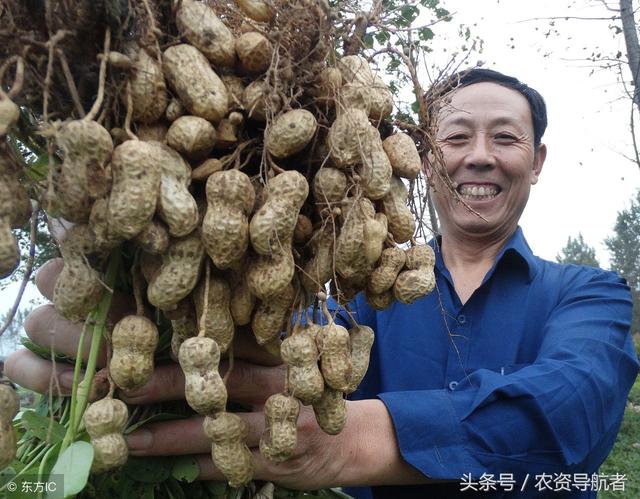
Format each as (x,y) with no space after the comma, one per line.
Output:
(510,378)
(493,154)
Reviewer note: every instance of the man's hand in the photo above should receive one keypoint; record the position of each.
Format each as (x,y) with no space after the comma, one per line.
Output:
(366,451)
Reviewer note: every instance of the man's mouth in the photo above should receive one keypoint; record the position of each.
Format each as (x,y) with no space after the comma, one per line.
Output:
(478,192)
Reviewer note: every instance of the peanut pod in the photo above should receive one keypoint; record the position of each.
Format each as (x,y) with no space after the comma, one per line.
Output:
(105,421)
(279,441)
(230,454)
(134,340)
(204,389)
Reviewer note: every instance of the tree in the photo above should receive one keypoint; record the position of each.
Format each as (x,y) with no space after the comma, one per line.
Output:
(633,46)
(577,251)
(619,16)
(625,253)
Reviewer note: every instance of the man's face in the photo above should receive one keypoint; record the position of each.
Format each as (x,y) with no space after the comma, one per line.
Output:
(486,137)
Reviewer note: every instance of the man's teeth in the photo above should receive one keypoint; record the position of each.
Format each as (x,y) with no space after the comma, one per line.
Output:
(474,191)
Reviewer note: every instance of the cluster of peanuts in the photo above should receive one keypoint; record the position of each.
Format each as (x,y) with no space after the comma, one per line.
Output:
(15,206)
(223,247)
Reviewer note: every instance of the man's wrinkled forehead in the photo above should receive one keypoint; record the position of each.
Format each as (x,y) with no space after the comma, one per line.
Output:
(500,104)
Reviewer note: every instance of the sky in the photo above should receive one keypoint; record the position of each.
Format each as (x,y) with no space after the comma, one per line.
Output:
(586,179)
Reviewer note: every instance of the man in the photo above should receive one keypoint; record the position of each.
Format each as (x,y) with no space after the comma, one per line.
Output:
(513,369)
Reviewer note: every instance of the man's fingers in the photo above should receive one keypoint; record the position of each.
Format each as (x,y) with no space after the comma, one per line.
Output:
(28,370)
(207,470)
(166,383)
(264,470)
(185,436)
(252,384)
(45,327)
(245,347)
(47,276)
(247,384)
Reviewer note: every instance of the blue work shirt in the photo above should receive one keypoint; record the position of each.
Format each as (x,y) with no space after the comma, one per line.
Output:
(529,377)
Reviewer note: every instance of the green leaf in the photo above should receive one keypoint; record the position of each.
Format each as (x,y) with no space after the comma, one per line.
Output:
(409,13)
(425,34)
(148,469)
(6,475)
(118,484)
(367,40)
(74,463)
(46,429)
(443,14)
(394,64)
(216,488)
(185,469)
(174,488)
(43,352)
(383,37)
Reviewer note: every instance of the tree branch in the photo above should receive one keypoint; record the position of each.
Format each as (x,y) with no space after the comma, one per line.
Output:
(29,269)
(604,2)
(632,44)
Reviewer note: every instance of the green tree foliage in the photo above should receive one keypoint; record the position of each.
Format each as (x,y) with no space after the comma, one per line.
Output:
(624,246)
(577,251)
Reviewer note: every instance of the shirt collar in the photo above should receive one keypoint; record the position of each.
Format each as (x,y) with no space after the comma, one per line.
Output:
(516,249)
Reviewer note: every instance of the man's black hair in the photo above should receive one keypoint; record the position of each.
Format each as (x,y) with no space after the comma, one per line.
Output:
(535,100)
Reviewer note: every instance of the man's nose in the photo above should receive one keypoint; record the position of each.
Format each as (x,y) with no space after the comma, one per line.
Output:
(481,152)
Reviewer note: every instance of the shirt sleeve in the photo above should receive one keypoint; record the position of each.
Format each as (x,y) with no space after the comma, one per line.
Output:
(560,413)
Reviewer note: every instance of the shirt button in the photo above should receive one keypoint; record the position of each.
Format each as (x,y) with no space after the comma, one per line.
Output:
(452,385)
(462,319)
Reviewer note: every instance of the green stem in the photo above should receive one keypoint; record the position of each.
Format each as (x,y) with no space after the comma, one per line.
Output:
(65,412)
(98,319)
(76,381)
(44,462)
(35,450)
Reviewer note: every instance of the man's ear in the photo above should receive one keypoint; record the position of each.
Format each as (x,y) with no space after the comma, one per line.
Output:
(538,161)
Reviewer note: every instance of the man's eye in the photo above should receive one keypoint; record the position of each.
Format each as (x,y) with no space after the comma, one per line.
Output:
(459,137)
(506,137)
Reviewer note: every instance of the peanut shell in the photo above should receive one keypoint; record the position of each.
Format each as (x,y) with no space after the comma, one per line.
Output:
(178,273)
(136,183)
(331,411)
(148,89)
(258,10)
(400,220)
(9,406)
(204,389)
(105,421)
(225,228)
(403,155)
(270,316)
(192,136)
(229,452)
(199,88)
(254,52)
(218,322)
(279,441)
(134,340)
(198,23)
(290,133)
